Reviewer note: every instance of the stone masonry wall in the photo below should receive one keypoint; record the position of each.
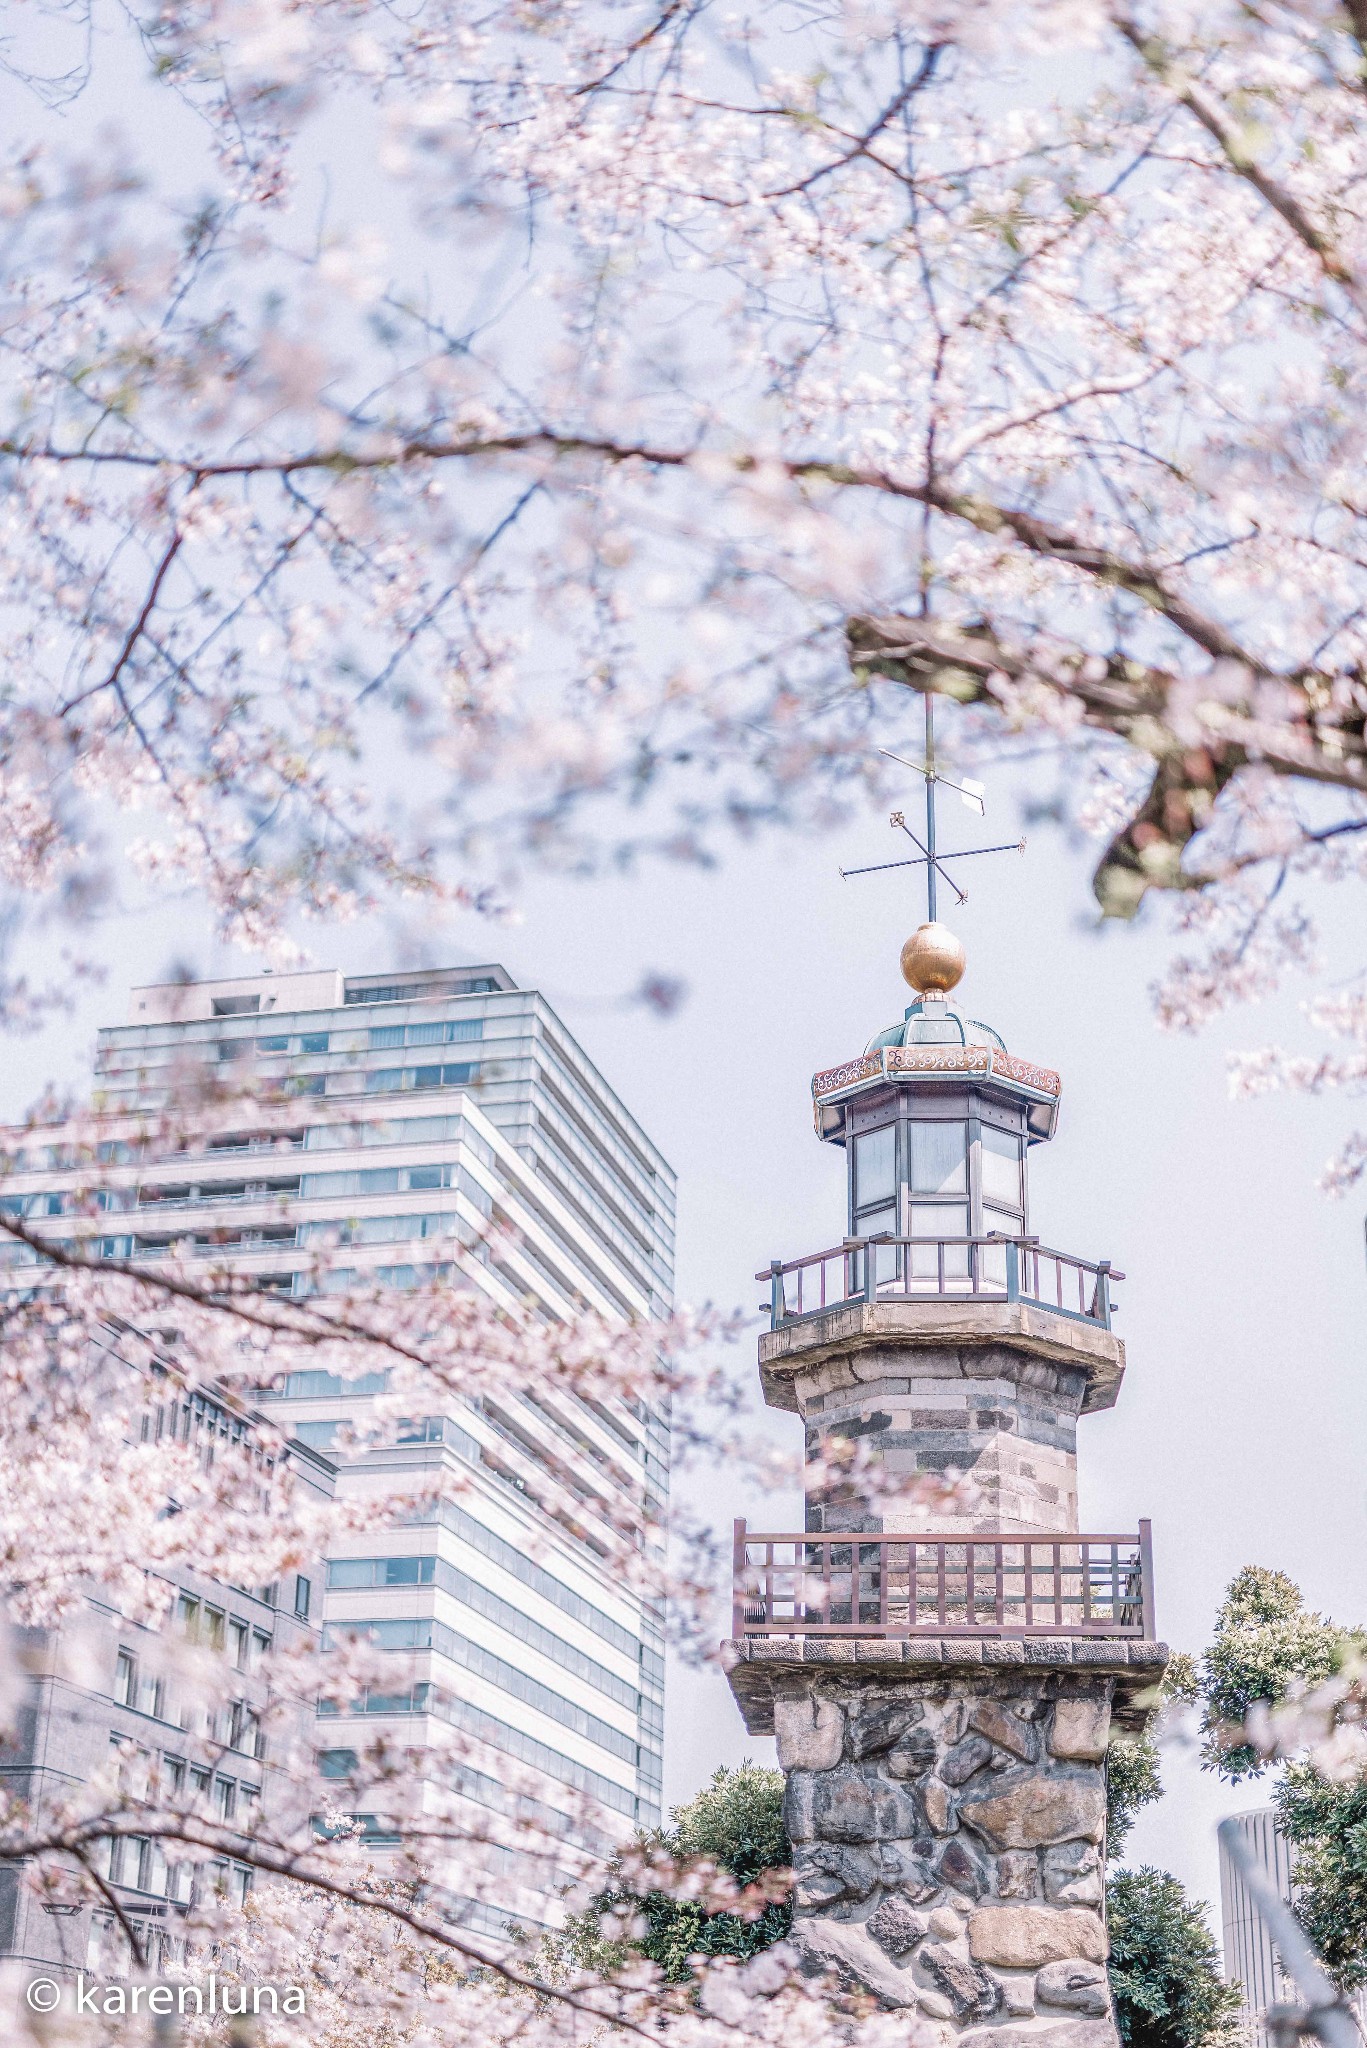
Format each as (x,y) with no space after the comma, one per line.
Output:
(1001,1414)
(949,1845)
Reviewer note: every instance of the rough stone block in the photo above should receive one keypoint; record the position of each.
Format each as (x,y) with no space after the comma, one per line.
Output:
(961,1866)
(1044,1650)
(938,1805)
(810,1731)
(842,1806)
(1072,1874)
(877,1650)
(1018,1874)
(1007,1651)
(972,1994)
(1027,1809)
(774,1650)
(878,1727)
(905,1869)
(846,1948)
(1086,1650)
(896,1810)
(958,1764)
(1006,1729)
(1018,1994)
(922,1650)
(896,1926)
(1027,1937)
(826,1871)
(828,1650)
(1074,1986)
(1081,1729)
(1065,2034)
(913,1755)
(1148,1653)
(798,1804)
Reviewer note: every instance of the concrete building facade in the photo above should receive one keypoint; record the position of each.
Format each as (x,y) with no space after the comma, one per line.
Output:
(414,1125)
(103,1687)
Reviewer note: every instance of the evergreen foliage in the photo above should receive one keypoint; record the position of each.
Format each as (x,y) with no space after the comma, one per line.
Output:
(1133,1765)
(737,1822)
(1267,1646)
(1133,1780)
(1326,1824)
(1164,1968)
(1265,1643)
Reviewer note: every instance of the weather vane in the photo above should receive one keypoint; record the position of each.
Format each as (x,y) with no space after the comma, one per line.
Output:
(927,855)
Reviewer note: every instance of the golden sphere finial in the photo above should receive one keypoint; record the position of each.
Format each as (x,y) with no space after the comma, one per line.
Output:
(933,961)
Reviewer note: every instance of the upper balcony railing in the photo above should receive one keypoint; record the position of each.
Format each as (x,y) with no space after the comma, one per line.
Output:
(824,1584)
(991,1268)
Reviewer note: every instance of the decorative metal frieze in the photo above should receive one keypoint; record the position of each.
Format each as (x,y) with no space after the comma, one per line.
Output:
(1029,1077)
(939,1059)
(845,1077)
(935,1059)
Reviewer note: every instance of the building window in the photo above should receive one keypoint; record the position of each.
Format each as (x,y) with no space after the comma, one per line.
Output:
(939,1159)
(236,1006)
(314,1041)
(303,1591)
(126,1679)
(1001,1175)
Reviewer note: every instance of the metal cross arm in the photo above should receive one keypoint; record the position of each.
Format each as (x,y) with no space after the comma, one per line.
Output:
(1015,846)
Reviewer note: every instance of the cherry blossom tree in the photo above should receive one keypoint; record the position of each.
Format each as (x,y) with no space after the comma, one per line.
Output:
(734,377)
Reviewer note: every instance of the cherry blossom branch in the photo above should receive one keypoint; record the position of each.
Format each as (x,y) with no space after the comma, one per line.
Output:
(1226,133)
(1201,733)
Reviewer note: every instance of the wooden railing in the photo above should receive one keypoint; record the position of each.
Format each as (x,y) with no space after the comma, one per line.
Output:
(918,1268)
(904,1585)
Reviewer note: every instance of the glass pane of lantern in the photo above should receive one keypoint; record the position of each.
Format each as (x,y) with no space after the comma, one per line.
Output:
(938,1159)
(1001,1157)
(944,1262)
(875,1166)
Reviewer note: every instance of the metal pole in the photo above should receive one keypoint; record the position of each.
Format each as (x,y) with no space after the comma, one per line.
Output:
(738,1579)
(930,807)
(1325,2013)
(1146,1608)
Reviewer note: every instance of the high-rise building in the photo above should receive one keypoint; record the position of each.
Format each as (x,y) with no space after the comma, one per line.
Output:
(1251,1957)
(420,1124)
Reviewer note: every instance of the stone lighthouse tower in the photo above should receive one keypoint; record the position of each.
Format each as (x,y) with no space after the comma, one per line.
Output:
(941,1653)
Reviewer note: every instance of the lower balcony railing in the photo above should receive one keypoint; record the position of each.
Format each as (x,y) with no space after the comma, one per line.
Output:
(992,1268)
(905,1585)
